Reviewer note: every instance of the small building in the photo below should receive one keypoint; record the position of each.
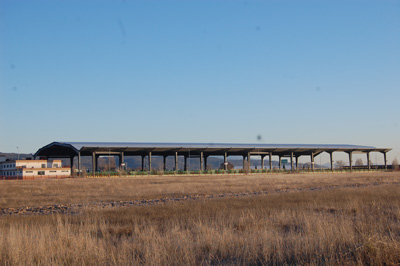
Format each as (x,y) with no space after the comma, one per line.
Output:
(31,169)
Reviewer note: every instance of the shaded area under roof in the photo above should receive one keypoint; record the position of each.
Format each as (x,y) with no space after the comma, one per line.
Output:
(70,149)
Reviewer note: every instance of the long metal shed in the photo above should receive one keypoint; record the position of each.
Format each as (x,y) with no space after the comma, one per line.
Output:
(200,150)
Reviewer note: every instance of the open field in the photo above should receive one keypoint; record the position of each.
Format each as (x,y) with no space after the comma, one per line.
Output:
(17,193)
(303,219)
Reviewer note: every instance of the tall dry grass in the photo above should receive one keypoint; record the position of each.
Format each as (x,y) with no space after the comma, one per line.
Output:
(34,193)
(343,226)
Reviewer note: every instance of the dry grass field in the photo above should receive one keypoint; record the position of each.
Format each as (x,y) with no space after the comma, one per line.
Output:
(17,193)
(350,219)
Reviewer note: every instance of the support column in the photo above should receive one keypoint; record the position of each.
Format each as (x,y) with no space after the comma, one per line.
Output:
(368,162)
(185,163)
(297,163)
(93,163)
(351,160)
(270,161)
(71,161)
(142,157)
(249,161)
(97,163)
(201,161)
(312,161)
(121,159)
(262,162)
(176,161)
(244,161)
(79,164)
(384,158)
(164,163)
(205,163)
(291,162)
(280,162)
(149,161)
(331,156)
(225,161)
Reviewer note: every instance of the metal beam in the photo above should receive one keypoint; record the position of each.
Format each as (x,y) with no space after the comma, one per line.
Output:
(262,161)
(384,158)
(351,160)
(176,161)
(93,163)
(149,158)
(312,161)
(97,162)
(280,162)
(331,158)
(79,164)
(291,161)
(71,161)
(368,161)
(185,163)
(270,161)
(225,161)
(164,163)
(121,159)
(249,160)
(201,161)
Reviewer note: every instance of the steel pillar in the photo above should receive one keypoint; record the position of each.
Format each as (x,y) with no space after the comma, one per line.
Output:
(280,162)
(262,162)
(225,161)
(79,164)
(244,161)
(270,161)
(331,157)
(164,163)
(368,162)
(201,161)
(71,161)
(121,159)
(291,162)
(297,162)
(149,158)
(97,162)
(185,163)
(176,161)
(312,161)
(93,163)
(384,158)
(351,160)
(205,163)
(142,158)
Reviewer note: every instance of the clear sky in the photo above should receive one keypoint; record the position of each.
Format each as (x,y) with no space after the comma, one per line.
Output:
(204,71)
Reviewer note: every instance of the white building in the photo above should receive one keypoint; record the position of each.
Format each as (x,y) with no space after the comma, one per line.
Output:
(28,169)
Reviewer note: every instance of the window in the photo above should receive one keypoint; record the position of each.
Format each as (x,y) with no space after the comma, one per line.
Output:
(55,165)
(29,172)
(64,171)
(40,172)
(43,165)
(52,171)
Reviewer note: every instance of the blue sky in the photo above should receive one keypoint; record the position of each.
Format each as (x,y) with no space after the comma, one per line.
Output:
(204,71)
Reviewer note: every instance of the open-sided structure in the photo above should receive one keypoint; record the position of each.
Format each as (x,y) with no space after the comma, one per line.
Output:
(199,150)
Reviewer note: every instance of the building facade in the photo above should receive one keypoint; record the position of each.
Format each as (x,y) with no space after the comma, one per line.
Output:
(30,169)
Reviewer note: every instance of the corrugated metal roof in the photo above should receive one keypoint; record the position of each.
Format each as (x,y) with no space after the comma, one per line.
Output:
(70,149)
(80,145)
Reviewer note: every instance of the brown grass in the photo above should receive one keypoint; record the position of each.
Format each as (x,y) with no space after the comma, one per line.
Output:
(21,193)
(345,226)
(353,225)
